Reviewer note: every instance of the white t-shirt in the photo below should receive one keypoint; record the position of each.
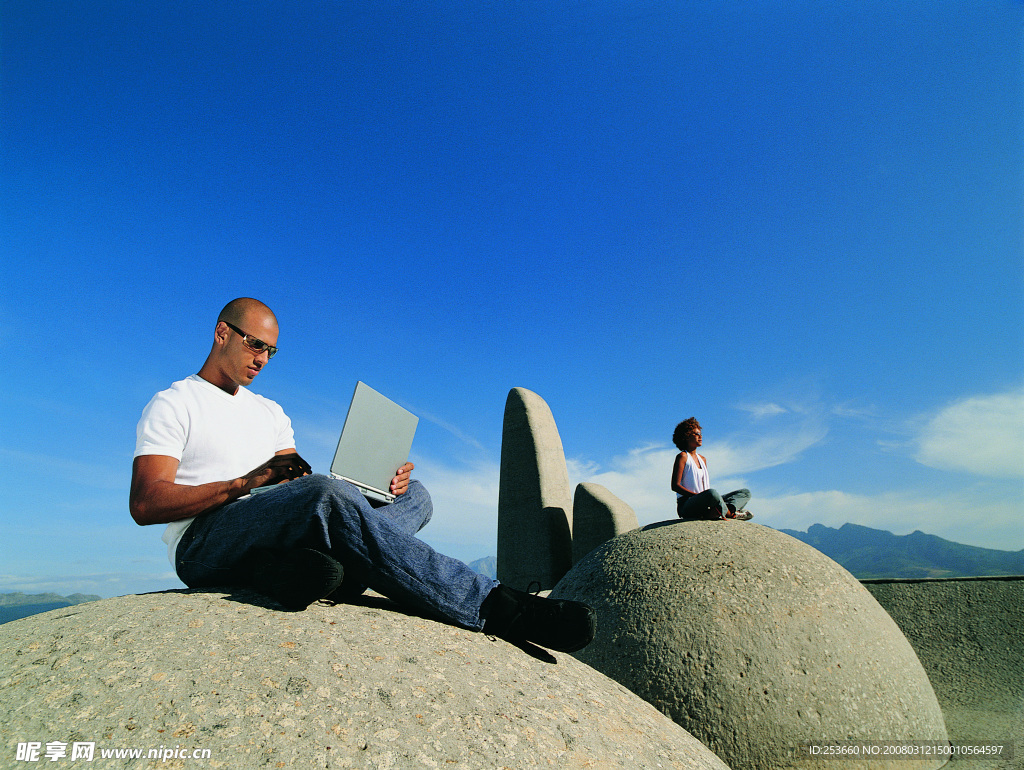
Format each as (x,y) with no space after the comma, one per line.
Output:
(213,435)
(695,474)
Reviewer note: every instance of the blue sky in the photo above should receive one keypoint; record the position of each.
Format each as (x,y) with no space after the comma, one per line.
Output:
(801,222)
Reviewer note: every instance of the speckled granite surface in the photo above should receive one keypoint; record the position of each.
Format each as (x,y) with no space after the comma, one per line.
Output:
(365,686)
(755,643)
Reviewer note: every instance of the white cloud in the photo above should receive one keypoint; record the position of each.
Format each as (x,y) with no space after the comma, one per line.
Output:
(852,411)
(640,478)
(764,452)
(465,498)
(983,435)
(760,411)
(802,429)
(792,429)
(454,430)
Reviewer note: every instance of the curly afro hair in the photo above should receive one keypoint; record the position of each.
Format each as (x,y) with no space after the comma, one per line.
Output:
(683,431)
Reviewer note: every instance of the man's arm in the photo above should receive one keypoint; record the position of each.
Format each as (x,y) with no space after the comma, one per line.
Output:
(156,499)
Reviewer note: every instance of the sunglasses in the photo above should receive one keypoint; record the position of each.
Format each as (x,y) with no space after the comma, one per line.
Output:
(255,345)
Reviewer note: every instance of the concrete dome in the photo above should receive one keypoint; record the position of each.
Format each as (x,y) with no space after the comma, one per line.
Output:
(752,641)
(363,686)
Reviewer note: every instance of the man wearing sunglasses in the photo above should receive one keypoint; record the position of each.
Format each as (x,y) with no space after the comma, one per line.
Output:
(207,441)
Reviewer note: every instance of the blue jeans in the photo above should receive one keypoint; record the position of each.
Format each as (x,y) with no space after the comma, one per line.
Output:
(709,504)
(376,546)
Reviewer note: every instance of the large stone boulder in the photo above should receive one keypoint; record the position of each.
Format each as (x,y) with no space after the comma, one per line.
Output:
(597,516)
(365,686)
(754,642)
(534,501)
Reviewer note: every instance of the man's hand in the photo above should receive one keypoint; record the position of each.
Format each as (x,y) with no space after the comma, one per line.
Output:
(400,482)
(155,498)
(276,470)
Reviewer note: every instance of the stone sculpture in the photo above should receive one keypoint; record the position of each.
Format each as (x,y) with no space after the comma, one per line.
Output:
(754,642)
(597,516)
(534,505)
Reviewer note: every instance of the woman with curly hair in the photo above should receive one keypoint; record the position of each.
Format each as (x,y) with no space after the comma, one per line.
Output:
(695,499)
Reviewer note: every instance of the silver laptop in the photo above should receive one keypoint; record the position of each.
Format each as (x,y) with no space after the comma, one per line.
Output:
(374,443)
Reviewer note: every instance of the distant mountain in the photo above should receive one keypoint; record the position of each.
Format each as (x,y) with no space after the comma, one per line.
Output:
(875,553)
(18,605)
(486,566)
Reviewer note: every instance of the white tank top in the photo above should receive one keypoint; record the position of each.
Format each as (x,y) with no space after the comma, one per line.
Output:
(695,474)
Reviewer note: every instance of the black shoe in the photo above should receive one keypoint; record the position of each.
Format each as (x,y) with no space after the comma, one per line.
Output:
(295,579)
(348,591)
(558,624)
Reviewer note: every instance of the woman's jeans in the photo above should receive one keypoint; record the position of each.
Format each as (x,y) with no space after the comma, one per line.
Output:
(376,546)
(711,505)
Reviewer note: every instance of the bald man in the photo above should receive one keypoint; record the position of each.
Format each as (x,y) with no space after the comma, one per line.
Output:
(203,444)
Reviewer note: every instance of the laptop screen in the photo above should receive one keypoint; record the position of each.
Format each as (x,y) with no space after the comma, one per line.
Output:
(375,441)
